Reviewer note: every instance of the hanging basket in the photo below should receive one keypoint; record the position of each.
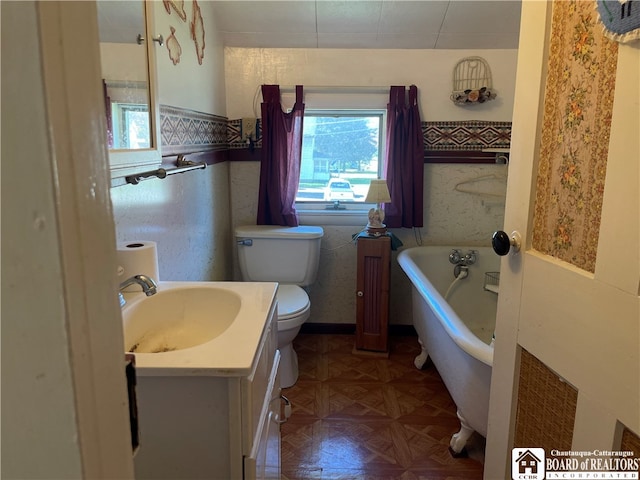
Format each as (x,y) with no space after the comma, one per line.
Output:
(472,82)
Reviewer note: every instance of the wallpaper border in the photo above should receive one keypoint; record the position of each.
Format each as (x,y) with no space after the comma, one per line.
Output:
(185,131)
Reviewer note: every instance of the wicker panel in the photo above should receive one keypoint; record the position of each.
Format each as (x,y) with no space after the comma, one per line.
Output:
(546,407)
(630,442)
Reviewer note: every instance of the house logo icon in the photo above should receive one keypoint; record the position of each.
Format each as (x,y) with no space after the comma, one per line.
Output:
(527,464)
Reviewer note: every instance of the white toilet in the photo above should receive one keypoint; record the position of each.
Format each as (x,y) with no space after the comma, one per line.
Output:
(289,256)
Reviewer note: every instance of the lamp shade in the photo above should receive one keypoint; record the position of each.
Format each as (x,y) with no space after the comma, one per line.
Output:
(378,192)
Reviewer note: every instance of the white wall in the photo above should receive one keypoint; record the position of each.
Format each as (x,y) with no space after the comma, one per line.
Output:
(430,70)
(189,84)
(186,214)
(451,217)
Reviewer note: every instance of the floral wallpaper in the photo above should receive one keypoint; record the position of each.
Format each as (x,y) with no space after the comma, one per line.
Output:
(575,135)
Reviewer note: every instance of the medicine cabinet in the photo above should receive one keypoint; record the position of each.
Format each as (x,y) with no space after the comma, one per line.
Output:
(127,51)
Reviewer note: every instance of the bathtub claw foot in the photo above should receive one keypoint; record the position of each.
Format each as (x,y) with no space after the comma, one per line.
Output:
(461,454)
(459,440)
(422,358)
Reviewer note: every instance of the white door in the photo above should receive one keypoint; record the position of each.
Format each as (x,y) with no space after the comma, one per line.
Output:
(64,398)
(581,321)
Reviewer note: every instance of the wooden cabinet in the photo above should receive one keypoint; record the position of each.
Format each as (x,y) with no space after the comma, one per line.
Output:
(372,300)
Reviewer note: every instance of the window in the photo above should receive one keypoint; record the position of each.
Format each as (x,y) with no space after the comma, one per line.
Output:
(130,125)
(341,153)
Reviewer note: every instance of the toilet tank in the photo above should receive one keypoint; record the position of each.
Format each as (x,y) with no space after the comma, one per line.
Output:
(269,253)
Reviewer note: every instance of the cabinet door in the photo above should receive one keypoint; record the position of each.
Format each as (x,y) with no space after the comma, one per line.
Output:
(255,387)
(264,461)
(372,300)
(130,85)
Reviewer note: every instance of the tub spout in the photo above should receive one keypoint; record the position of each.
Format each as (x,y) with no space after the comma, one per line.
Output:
(461,272)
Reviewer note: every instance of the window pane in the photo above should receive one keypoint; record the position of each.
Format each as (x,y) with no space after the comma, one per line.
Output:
(130,125)
(340,153)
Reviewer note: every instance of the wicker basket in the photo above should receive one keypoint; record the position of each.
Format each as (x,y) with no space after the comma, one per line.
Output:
(492,281)
(472,83)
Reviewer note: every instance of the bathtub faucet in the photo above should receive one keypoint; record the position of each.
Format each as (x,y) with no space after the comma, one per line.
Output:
(457,258)
(470,257)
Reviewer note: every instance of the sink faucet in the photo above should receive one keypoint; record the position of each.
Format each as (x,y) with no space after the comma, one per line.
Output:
(148,285)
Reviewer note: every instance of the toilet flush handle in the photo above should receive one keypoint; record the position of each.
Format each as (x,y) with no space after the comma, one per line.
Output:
(247,242)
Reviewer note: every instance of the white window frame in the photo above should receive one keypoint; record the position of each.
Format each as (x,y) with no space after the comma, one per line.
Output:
(343,102)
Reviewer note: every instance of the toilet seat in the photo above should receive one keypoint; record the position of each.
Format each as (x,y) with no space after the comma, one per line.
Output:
(292,302)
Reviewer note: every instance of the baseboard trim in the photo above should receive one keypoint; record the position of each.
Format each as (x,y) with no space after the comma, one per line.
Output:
(350,329)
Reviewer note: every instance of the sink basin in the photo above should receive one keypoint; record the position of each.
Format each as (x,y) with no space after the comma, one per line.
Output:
(198,328)
(178,318)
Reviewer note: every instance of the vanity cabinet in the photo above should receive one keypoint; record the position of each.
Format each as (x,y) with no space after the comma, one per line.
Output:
(213,426)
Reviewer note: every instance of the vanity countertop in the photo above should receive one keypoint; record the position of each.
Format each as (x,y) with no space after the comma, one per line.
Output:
(231,353)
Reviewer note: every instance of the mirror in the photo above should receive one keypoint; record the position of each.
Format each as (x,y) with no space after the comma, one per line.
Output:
(128,72)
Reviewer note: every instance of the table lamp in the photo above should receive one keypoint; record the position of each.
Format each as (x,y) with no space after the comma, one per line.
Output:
(378,193)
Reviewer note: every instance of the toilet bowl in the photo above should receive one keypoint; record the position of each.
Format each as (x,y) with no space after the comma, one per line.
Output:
(293,310)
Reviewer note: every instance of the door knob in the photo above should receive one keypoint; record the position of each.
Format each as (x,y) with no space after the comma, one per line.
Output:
(502,243)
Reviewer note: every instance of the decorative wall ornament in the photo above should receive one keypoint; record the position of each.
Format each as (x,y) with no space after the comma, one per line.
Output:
(175,50)
(197,31)
(620,18)
(472,83)
(578,106)
(177,6)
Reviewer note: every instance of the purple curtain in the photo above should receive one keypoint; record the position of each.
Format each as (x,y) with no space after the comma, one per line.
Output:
(281,157)
(404,159)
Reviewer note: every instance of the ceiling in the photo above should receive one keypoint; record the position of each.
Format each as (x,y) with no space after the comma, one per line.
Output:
(376,24)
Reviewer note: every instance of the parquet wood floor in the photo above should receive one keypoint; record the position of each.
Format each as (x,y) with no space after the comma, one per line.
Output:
(369,418)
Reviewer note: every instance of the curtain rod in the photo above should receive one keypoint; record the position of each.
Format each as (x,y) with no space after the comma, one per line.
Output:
(336,89)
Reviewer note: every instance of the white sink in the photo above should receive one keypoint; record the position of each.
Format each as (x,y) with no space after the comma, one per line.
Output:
(197,328)
(179,318)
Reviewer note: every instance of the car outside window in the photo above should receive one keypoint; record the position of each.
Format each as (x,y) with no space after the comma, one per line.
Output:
(339,190)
